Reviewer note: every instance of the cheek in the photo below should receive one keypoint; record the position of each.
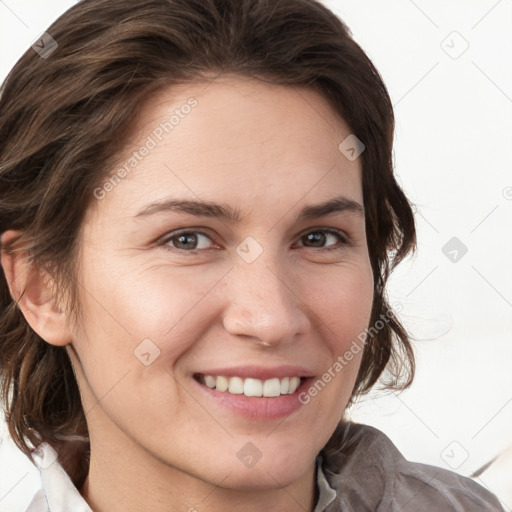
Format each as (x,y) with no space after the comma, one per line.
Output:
(172,307)
(343,308)
(127,305)
(343,302)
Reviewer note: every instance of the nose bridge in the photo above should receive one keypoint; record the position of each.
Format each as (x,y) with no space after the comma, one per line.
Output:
(262,301)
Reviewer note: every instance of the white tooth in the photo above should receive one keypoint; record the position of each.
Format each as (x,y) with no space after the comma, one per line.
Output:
(209,381)
(271,387)
(222,384)
(236,385)
(253,387)
(294,384)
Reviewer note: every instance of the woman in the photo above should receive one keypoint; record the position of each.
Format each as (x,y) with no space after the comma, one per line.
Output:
(142,374)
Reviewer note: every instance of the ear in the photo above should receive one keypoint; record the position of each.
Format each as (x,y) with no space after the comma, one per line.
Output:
(34,291)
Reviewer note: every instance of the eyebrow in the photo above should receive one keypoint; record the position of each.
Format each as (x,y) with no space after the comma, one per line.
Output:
(226,213)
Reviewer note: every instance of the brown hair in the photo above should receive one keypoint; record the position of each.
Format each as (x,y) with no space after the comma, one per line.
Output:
(64,117)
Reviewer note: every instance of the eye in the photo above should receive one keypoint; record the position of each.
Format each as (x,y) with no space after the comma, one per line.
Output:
(319,237)
(193,241)
(188,241)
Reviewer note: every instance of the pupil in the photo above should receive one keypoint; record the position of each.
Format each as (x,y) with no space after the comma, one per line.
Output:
(182,239)
(317,237)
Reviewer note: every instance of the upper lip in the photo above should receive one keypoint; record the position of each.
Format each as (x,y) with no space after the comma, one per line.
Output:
(260,372)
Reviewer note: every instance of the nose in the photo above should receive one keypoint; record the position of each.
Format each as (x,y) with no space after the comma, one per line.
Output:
(263,304)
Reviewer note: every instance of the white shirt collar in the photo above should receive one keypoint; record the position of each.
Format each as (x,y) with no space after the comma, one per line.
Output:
(58,493)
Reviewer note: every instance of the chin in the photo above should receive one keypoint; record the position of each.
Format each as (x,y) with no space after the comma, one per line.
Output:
(265,476)
(272,466)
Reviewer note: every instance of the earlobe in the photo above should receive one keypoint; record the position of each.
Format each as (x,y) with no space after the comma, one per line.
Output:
(34,291)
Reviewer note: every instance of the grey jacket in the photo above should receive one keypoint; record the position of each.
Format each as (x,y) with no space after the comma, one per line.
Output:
(360,470)
(365,472)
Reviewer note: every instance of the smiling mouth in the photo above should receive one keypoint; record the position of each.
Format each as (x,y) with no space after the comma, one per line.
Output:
(251,387)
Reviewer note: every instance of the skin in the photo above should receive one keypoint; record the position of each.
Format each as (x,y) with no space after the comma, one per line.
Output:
(157,443)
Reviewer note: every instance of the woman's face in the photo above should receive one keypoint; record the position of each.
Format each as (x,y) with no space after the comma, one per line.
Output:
(208,262)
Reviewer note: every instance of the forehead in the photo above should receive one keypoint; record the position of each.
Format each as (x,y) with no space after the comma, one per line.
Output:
(236,139)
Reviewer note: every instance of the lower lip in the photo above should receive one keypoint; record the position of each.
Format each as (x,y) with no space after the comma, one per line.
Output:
(257,408)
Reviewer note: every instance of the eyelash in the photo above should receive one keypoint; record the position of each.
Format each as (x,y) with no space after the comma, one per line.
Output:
(343,239)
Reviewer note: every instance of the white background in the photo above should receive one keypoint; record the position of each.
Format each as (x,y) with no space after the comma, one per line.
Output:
(453,157)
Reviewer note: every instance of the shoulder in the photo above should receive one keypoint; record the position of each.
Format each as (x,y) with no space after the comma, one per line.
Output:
(369,473)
